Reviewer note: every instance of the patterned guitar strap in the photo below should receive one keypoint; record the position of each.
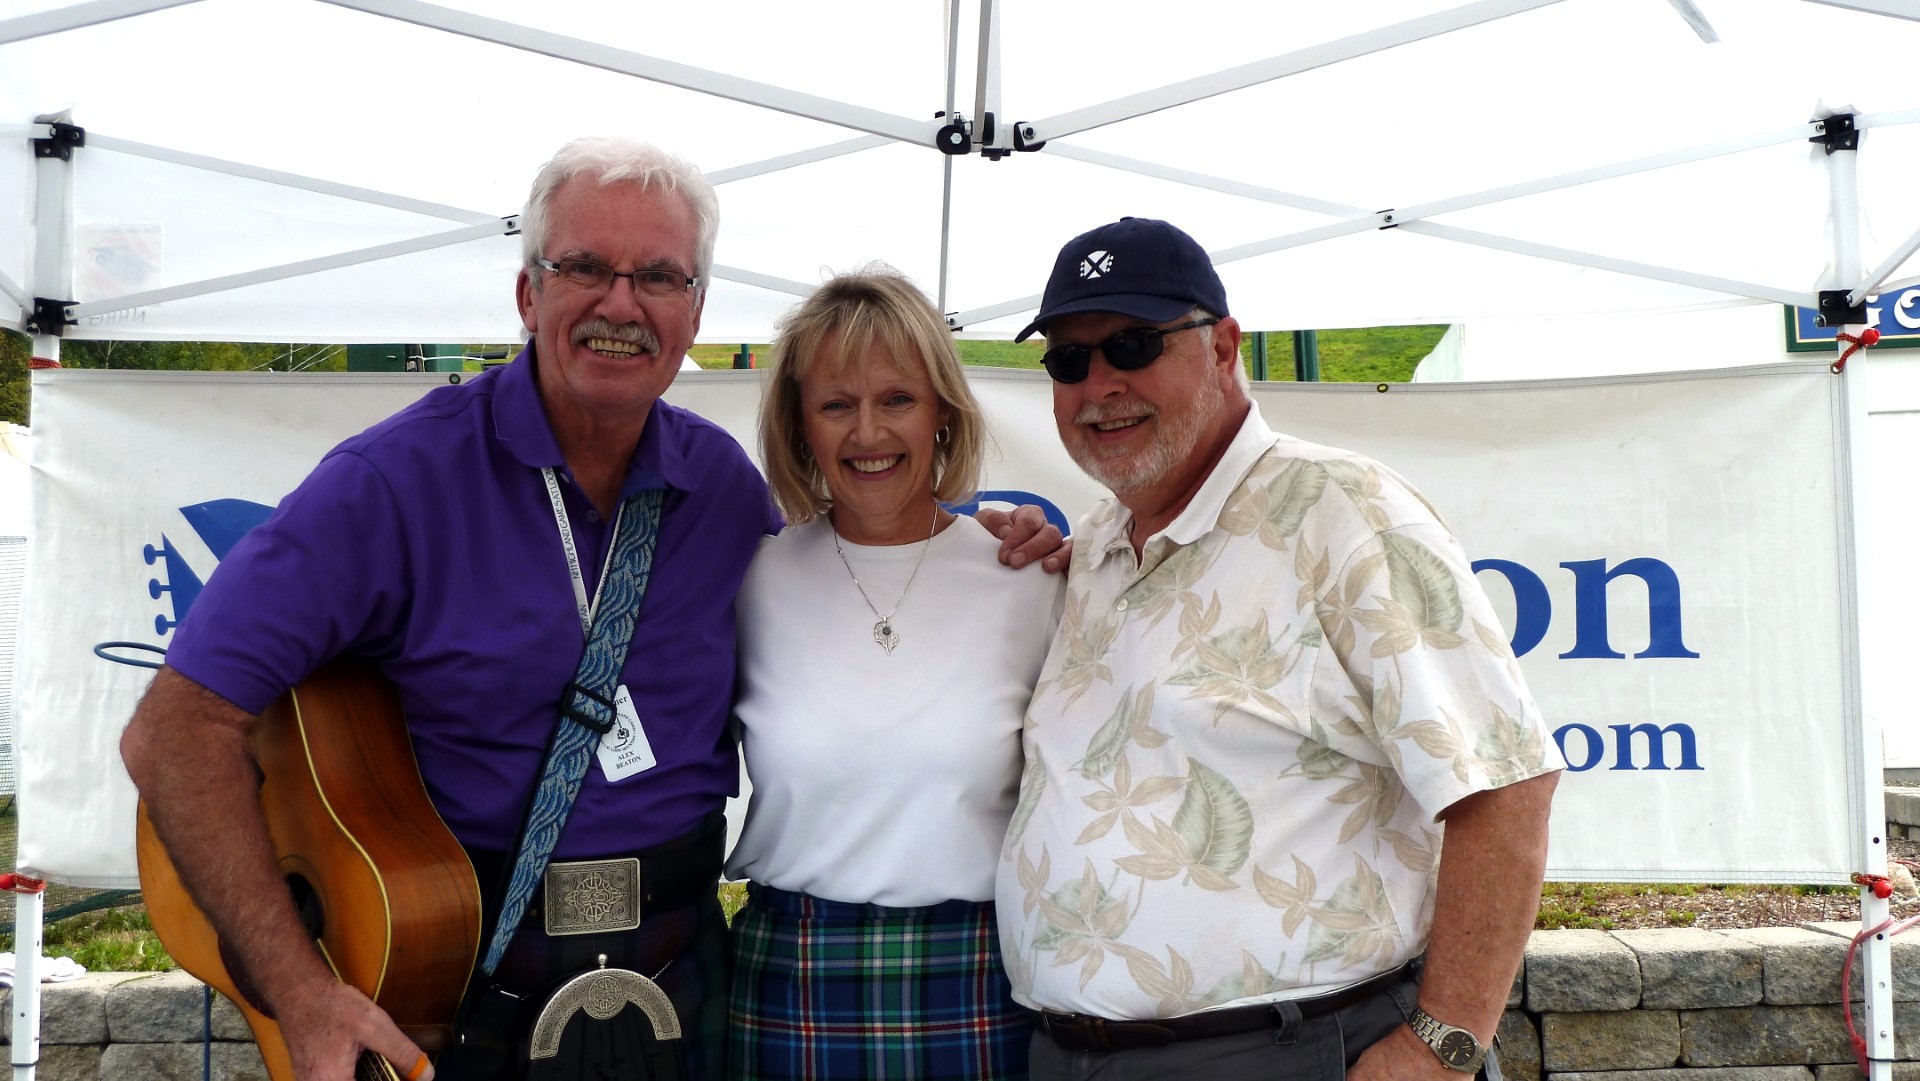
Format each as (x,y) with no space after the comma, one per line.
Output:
(586,711)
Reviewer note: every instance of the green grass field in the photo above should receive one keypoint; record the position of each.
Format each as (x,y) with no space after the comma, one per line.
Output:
(1371,355)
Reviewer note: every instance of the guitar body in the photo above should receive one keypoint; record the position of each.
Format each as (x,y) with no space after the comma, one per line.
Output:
(380,882)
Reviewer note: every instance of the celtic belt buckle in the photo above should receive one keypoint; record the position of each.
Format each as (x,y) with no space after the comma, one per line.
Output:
(590,896)
(602,992)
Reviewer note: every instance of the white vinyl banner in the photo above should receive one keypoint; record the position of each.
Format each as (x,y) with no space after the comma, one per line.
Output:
(1671,554)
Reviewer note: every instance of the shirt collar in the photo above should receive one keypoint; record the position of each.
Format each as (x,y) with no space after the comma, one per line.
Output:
(520,421)
(1202,513)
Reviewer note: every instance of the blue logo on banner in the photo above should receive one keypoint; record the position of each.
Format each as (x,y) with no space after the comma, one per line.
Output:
(220,524)
(1017,498)
(1582,745)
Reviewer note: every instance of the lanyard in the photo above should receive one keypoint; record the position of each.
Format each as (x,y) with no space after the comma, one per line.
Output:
(587,608)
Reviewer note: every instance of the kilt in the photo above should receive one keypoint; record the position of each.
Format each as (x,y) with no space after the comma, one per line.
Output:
(828,989)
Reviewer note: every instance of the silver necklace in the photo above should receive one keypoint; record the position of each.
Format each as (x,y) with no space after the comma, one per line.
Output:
(883,632)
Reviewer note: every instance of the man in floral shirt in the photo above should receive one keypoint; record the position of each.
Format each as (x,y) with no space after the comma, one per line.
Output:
(1275,685)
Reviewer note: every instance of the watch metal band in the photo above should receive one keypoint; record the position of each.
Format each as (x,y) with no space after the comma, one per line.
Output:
(1455,1047)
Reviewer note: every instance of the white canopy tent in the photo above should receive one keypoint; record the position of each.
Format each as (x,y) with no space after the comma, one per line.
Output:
(1495,127)
(298,170)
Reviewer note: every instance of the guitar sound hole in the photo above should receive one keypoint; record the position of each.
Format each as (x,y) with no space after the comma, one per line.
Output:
(306,904)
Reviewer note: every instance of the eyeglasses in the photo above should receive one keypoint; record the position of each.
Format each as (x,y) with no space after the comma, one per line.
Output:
(1127,350)
(649,281)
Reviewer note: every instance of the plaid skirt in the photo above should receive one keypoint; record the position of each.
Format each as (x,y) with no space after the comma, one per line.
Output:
(827,989)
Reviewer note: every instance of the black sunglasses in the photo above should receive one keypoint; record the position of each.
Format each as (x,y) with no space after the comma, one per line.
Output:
(1127,350)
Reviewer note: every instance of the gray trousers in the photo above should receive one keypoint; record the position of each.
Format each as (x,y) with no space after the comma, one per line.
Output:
(1296,1049)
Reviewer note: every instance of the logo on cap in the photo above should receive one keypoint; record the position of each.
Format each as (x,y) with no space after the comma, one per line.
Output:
(1096,264)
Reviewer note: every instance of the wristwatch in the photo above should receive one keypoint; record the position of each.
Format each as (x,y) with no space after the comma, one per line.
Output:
(1456,1048)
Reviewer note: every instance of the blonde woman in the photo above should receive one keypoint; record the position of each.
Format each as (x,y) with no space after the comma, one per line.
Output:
(886,663)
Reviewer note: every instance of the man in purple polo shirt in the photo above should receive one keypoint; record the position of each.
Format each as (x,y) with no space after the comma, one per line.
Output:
(437,544)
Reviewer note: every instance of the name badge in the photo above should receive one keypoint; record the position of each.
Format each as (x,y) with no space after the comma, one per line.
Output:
(624,751)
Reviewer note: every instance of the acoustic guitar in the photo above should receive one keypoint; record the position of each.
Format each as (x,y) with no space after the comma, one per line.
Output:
(383,887)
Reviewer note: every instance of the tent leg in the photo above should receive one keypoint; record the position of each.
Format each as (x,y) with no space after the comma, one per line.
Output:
(53,233)
(27,945)
(1876,954)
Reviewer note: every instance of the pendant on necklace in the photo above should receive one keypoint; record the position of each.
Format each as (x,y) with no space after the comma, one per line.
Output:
(883,634)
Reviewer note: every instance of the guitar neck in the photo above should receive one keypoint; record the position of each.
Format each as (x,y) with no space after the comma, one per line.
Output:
(372,1067)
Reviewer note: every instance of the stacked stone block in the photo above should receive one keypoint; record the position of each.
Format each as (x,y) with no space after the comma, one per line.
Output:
(1665,1005)
(139,1026)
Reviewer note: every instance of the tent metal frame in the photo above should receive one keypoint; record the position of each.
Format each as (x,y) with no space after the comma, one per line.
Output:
(989,133)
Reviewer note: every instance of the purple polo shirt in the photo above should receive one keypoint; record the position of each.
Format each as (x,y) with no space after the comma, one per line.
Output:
(427,543)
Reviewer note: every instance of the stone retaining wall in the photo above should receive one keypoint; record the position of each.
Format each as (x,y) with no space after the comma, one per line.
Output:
(1662,1005)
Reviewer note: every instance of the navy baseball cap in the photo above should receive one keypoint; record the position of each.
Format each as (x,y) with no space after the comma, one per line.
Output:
(1140,267)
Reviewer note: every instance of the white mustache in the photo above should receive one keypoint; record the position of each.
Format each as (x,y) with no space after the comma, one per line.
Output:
(619,332)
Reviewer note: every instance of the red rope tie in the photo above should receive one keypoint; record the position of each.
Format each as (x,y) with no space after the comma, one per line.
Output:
(1881,885)
(1867,339)
(18,883)
(1891,928)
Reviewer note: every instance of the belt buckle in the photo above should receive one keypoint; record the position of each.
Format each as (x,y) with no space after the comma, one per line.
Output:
(587,897)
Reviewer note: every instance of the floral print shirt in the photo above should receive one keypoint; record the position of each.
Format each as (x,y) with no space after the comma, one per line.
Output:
(1240,741)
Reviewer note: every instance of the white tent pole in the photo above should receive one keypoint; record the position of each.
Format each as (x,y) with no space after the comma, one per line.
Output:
(481,231)
(655,69)
(1440,206)
(1696,19)
(1202,180)
(288,180)
(986,100)
(1278,67)
(1876,954)
(1871,282)
(53,237)
(14,292)
(762,281)
(75,16)
(1799,133)
(788,161)
(1899,9)
(1799,298)
(28,940)
(52,279)
(1222,256)
(946,165)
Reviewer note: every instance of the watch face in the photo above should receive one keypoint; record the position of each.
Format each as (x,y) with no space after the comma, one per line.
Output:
(1457,1048)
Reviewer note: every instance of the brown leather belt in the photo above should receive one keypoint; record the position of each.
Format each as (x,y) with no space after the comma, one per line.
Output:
(1079,1032)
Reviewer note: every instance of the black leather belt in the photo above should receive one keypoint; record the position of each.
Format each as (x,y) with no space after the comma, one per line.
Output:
(1078,1032)
(672,875)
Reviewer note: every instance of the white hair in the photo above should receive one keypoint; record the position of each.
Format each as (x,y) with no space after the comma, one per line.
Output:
(614,159)
(1240,378)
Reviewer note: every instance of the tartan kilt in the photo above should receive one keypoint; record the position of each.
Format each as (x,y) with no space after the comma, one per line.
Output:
(828,989)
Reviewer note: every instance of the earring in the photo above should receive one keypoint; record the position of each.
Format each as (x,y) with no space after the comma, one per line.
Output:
(940,437)
(806,452)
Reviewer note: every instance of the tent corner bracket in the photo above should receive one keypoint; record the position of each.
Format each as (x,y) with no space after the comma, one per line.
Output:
(51,317)
(955,136)
(61,142)
(1834,311)
(1023,140)
(1837,133)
